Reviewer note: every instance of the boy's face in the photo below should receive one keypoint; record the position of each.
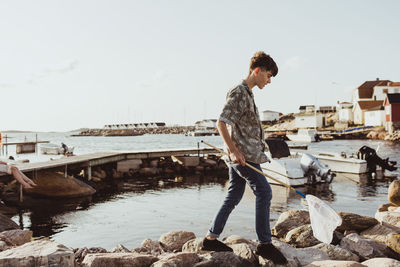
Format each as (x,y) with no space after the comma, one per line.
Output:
(263,77)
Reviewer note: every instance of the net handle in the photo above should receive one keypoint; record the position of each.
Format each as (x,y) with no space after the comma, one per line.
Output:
(257,170)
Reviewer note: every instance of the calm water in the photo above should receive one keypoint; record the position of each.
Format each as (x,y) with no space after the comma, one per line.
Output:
(129,211)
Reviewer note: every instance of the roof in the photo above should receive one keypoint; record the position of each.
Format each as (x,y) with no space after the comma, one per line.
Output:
(394,84)
(367,105)
(271,111)
(366,90)
(394,98)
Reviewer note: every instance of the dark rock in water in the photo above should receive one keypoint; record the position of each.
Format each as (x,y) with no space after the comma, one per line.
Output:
(352,221)
(54,184)
(7,224)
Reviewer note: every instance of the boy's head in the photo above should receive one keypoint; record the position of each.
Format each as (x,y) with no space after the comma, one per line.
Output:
(264,62)
(262,68)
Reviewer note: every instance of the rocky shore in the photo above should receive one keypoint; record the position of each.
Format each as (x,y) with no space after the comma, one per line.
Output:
(137,131)
(359,241)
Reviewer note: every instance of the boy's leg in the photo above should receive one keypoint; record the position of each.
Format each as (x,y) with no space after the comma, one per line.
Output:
(235,193)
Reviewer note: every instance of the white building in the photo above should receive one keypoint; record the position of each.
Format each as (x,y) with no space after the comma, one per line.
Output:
(374,117)
(367,92)
(311,120)
(268,115)
(346,115)
(361,107)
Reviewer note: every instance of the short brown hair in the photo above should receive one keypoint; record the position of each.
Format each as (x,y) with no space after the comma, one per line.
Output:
(263,61)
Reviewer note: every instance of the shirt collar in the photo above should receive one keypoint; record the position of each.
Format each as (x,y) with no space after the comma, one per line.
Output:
(247,88)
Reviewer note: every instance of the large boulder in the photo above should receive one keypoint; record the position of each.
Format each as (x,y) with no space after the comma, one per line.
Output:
(224,259)
(193,245)
(235,239)
(302,237)
(290,220)
(366,248)
(55,184)
(389,218)
(180,259)
(352,221)
(394,192)
(151,247)
(118,260)
(393,241)
(38,253)
(386,262)
(245,251)
(174,240)
(337,253)
(17,237)
(333,263)
(378,233)
(7,224)
(302,256)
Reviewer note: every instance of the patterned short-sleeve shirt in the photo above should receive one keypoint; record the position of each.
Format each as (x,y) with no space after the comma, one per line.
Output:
(241,114)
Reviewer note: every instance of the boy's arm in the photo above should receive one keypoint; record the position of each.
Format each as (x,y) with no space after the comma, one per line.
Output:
(234,154)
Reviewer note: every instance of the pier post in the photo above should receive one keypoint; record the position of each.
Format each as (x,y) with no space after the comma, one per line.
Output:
(21,197)
(65,172)
(89,172)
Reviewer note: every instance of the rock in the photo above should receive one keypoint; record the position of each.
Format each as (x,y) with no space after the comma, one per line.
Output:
(387,262)
(268,263)
(54,184)
(378,233)
(152,247)
(352,221)
(393,241)
(384,207)
(394,209)
(4,246)
(389,219)
(394,192)
(302,237)
(180,259)
(174,240)
(245,252)
(118,259)
(337,253)
(302,256)
(120,249)
(332,263)
(290,220)
(17,237)
(193,245)
(235,239)
(365,248)
(224,259)
(7,224)
(38,253)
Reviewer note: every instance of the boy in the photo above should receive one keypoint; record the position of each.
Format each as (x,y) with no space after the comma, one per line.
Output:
(245,143)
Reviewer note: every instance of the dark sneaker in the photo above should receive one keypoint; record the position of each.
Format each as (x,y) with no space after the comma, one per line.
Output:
(270,252)
(215,245)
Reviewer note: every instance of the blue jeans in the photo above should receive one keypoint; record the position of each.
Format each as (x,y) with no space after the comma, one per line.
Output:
(238,177)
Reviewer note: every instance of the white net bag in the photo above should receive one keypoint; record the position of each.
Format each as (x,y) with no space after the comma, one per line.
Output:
(324,219)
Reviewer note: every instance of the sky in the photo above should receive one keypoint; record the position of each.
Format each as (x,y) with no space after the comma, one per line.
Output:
(75,64)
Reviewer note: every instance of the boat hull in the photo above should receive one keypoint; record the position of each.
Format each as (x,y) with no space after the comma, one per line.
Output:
(340,164)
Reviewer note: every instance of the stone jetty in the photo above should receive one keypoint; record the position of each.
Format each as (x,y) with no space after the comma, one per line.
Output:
(137,131)
(359,241)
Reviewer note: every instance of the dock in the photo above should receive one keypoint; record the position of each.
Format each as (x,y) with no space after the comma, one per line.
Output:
(88,161)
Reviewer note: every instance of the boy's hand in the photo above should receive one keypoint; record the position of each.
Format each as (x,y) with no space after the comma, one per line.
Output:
(237,157)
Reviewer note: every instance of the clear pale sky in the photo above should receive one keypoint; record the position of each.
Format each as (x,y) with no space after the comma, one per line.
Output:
(71,64)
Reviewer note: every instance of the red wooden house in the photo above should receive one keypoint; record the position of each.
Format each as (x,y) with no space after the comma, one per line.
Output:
(392,108)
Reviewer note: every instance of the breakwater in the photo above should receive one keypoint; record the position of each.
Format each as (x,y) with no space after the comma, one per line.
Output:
(137,131)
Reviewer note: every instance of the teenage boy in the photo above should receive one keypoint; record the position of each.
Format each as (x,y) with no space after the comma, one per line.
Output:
(240,127)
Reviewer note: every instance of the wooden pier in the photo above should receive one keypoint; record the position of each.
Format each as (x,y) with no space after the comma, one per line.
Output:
(88,161)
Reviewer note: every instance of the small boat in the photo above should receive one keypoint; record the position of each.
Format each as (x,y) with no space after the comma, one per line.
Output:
(340,162)
(204,131)
(304,135)
(366,160)
(295,169)
(53,149)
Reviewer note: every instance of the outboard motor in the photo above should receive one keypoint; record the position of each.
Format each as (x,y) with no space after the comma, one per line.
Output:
(369,154)
(312,168)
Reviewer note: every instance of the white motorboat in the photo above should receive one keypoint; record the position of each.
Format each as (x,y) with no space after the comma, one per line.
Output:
(204,131)
(304,135)
(295,169)
(342,163)
(53,149)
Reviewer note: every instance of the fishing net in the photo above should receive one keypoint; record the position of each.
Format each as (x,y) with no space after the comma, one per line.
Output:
(324,219)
